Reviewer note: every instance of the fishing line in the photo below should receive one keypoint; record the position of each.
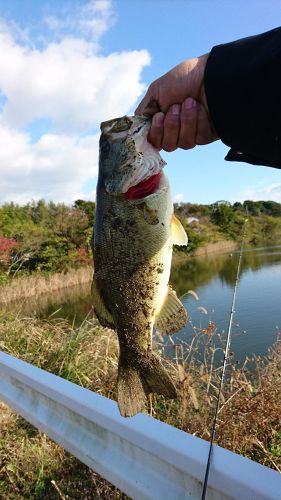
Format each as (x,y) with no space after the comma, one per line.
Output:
(226,351)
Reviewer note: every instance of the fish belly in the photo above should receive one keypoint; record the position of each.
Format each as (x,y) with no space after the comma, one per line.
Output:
(133,256)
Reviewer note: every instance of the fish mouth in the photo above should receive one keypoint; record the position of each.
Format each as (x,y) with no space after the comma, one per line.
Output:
(144,178)
(138,167)
(144,188)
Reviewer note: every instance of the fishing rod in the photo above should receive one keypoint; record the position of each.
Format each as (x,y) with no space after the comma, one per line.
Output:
(226,353)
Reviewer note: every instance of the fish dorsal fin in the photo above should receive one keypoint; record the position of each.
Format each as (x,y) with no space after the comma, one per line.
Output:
(101,311)
(172,316)
(179,236)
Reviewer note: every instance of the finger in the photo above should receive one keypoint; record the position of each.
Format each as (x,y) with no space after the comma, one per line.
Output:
(188,124)
(148,107)
(171,128)
(156,131)
(205,133)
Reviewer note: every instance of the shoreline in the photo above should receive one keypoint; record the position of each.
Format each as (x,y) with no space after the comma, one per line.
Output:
(223,246)
(219,247)
(30,286)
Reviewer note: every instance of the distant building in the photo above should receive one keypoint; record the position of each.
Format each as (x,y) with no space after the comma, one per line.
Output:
(191,220)
(221,202)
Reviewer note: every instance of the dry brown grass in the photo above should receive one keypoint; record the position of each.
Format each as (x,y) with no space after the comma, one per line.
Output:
(35,467)
(22,287)
(253,406)
(250,413)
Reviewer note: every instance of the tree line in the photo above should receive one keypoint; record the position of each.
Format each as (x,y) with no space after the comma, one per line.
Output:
(45,237)
(49,237)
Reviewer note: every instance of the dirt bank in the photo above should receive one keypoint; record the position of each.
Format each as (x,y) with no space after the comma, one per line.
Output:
(224,246)
(218,247)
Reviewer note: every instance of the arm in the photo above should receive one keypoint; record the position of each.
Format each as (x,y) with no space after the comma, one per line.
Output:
(234,94)
(243,90)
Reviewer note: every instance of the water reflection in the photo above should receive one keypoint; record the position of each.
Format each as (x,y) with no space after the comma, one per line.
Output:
(258,306)
(197,272)
(258,312)
(73,303)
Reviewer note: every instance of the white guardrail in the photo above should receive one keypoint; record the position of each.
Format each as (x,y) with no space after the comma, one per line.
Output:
(143,457)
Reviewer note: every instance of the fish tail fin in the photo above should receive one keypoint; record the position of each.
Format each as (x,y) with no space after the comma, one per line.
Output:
(136,381)
(131,394)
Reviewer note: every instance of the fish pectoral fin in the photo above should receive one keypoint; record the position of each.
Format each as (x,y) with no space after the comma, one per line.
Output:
(172,316)
(179,236)
(101,311)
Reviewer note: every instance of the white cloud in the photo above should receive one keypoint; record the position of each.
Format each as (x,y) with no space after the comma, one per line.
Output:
(262,191)
(68,83)
(96,17)
(55,167)
(91,20)
(178,198)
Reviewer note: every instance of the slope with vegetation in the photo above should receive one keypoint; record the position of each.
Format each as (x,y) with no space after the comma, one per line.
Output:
(206,224)
(46,238)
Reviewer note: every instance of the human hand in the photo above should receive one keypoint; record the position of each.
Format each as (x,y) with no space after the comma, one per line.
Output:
(178,106)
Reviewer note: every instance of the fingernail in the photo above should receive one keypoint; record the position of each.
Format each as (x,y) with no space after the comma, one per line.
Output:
(189,103)
(176,109)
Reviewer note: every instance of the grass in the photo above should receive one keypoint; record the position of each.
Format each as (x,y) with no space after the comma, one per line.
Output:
(35,467)
(27,286)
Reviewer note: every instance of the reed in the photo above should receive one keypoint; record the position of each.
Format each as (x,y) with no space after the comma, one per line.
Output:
(35,467)
(249,416)
(23,287)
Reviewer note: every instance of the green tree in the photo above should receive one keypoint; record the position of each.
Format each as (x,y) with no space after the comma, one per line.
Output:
(88,207)
(223,215)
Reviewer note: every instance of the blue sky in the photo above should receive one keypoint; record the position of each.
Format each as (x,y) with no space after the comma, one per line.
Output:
(67,65)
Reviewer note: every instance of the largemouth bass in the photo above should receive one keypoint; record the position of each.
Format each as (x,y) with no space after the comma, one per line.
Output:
(134,233)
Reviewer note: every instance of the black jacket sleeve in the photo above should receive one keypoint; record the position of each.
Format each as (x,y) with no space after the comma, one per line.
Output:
(243,91)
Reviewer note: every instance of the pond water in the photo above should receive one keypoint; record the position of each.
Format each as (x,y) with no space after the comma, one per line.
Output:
(257,317)
(257,313)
